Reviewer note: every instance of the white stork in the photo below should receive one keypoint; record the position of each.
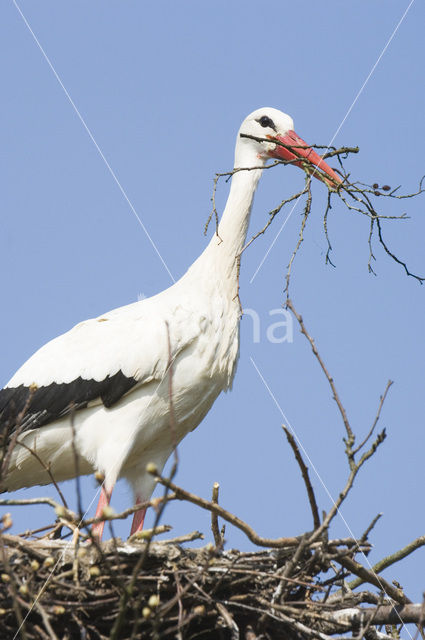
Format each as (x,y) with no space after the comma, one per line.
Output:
(111,373)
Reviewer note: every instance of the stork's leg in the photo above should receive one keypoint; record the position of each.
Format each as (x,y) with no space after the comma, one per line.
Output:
(104,500)
(138,519)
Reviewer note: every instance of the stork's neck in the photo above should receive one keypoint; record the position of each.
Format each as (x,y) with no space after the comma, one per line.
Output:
(225,248)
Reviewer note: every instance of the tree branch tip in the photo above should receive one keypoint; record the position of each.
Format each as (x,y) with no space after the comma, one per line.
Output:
(152,469)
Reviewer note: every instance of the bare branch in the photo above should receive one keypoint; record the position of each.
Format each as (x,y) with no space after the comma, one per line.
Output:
(307,210)
(48,470)
(370,576)
(214,520)
(375,422)
(182,494)
(356,196)
(306,477)
(391,559)
(394,257)
(350,435)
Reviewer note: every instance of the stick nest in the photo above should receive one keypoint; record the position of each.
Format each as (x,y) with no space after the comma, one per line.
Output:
(56,589)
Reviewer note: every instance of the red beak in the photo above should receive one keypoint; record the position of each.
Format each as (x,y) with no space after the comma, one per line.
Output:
(307,157)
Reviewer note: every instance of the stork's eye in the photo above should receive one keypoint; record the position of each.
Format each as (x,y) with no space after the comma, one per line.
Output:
(265,121)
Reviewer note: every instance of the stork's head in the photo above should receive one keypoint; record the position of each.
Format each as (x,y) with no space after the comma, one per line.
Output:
(278,128)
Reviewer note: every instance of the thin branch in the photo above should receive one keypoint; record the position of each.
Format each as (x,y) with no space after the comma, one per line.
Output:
(370,576)
(306,477)
(369,242)
(375,422)
(356,196)
(272,214)
(350,434)
(46,621)
(231,624)
(325,226)
(391,559)
(182,494)
(187,537)
(307,210)
(48,470)
(365,535)
(355,468)
(394,257)
(218,540)
(31,501)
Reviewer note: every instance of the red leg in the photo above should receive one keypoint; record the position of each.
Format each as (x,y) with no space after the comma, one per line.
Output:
(138,519)
(104,500)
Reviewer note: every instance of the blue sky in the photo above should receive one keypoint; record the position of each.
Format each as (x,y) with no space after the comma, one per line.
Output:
(163,88)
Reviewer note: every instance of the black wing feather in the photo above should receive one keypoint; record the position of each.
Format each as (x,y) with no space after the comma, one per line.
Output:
(46,404)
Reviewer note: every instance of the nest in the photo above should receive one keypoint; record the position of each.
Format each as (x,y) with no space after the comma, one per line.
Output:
(56,589)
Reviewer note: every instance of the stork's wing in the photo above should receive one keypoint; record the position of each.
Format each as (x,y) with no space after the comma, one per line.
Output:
(98,360)
(34,407)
